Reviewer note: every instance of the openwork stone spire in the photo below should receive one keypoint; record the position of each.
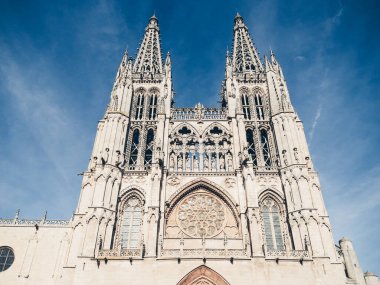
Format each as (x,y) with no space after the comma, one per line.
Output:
(122,72)
(245,57)
(149,56)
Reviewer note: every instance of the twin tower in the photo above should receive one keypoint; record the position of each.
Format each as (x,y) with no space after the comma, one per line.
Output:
(225,195)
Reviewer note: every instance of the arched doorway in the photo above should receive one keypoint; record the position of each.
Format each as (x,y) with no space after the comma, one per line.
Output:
(203,275)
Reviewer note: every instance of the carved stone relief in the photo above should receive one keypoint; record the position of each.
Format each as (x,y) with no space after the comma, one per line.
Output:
(174,180)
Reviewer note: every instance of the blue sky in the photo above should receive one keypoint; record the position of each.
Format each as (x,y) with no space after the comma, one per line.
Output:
(58,62)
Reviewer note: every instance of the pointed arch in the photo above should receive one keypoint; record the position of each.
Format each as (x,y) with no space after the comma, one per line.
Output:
(131,212)
(259,105)
(265,147)
(245,102)
(208,185)
(272,213)
(203,275)
(139,103)
(134,150)
(201,210)
(148,157)
(188,126)
(250,137)
(216,125)
(153,97)
(130,189)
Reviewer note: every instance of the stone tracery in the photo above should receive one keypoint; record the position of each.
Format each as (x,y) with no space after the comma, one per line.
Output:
(190,152)
(201,214)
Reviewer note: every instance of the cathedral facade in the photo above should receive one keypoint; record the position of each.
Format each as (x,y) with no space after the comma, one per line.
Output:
(190,196)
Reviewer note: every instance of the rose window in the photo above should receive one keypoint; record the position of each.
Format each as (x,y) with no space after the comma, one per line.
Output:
(201,215)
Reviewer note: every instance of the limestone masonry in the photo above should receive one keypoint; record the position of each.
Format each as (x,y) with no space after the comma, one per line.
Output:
(199,196)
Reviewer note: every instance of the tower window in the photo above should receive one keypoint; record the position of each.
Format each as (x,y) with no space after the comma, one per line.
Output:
(152,107)
(131,224)
(265,147)
(134,148)
(6,258)
(272,225)
(251,146)
(149,147)
(259,107)
(139,107)
(245,105)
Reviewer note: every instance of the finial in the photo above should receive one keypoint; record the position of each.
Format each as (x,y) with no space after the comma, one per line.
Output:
(17,214)
(238,19)
(154,16)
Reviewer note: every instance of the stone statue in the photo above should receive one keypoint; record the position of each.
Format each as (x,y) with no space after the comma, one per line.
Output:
(118,160)
(171,162)
(94,160)
(296,157)
(213,164)
(285,157)
(180,163)
(105,157)
(229,162)
(114,103)
(196,163)
(205,163)
(222,163)
(188,166)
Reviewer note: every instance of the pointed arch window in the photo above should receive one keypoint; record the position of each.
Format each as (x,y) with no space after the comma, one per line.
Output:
(251,146)
(152,107)
(133,158)
(139,106)
(272,225)
(259,106)
(245,105)
(265,147)
(131,223)
(149,147)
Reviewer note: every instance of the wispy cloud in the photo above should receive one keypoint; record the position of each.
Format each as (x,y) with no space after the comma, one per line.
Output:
(315,122)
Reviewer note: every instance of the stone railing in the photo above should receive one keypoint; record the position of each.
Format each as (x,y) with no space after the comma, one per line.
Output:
(137,167)
(197,253)
(198,113)
(120,253)
(287,254)
(25,222)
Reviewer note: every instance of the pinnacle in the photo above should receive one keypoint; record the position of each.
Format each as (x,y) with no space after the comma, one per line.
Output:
(153,17)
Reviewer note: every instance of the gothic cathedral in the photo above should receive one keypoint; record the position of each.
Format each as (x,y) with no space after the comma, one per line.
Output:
(190,196)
